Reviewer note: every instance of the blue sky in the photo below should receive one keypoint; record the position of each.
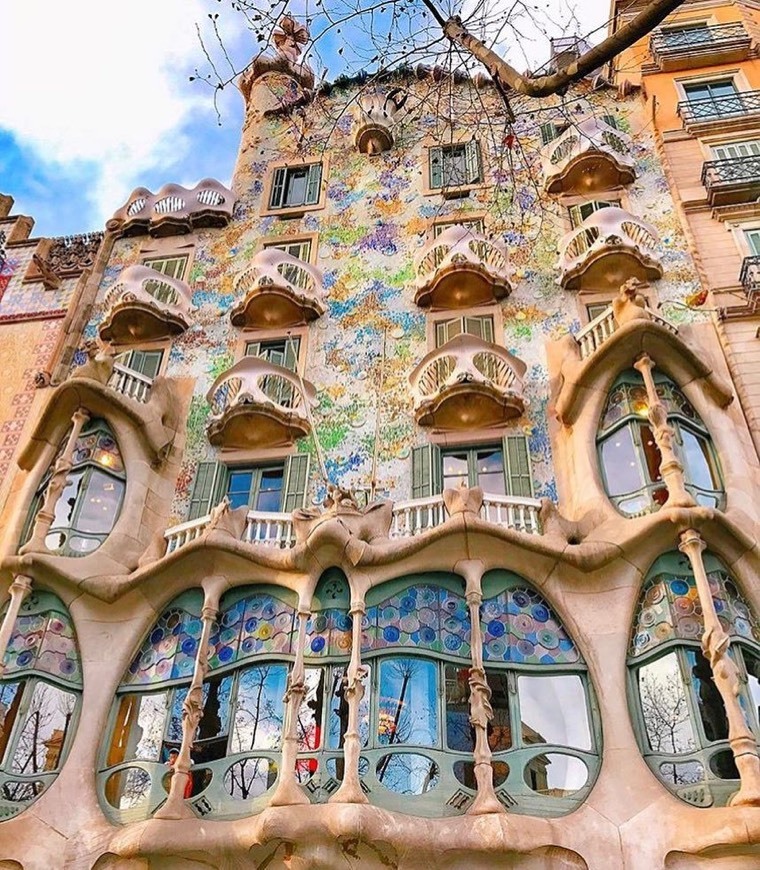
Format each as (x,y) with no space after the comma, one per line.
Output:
(98,101)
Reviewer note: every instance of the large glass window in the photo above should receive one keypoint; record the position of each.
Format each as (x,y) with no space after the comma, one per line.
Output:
(684,728)
(475,466)
(39,701)
(257,487)
(91,500)
(630,457)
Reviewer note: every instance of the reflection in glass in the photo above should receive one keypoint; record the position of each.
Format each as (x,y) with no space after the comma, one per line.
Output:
(250,778)
(10,698)
(491,471)
(100,505)
(698,461)
(139,728)
(408,702)
(408,773)
(753,680)
(722,764)
(664,707)
(455,470)
(43,733)
(682,772)
(553,710)
(711,709)
(21,792)
(555,775)
(309,722)
(338,713)
(459,732)
(500,727)
(464,771)
(128,788)
(621,467)
(260,711)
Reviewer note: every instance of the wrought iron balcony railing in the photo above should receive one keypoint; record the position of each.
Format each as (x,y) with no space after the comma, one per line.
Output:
(732,180)
(685,47)
(722,108)
(750,276)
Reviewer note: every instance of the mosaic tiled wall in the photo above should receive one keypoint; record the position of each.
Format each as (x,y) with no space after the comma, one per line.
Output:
(375,221)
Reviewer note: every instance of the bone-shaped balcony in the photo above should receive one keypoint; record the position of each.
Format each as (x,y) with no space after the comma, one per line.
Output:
(607,249)
(589,156)
(144,305)
(277,290)
(467,384)
(460,269)
(256,404)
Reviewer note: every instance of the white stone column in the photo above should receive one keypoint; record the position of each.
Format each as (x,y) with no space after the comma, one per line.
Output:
(192,712)
(481,711)
(19,589)
(63,465)
(350,791)
(715,644)
(671,470)
(288,791)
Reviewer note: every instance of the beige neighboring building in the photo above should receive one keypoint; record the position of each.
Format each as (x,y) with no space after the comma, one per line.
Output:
(396,507)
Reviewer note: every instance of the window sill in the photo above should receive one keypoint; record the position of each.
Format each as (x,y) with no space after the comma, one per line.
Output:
(295,211)
(454,192)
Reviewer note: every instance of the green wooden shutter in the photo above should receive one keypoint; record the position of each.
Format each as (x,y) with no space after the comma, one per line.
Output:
(296,482)
(472,162)
(610,121)
(426,471)
(278,187)
(313,183)
(435,159)
(548,132)
(206,489)
(517,470)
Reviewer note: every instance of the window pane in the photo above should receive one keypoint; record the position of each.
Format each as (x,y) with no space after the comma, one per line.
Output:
(100,504)
(295,187)
(454,166)
(139,728)
(338,714)
(753,680)
(310,716)
(408,702)
(270,490)
(211,740)
(664,706)
(490,470)
(555,775)
(455,470)
(620,463)
(239,488)
(553,710)
(709,702)
(44,730)
(652,455)
(10,698)
(259,708)
(459,732)
(64,507)
(499,728)
(699,467)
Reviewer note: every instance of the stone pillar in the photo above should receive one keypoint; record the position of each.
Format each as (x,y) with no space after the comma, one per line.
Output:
(715,644)
(19,589)
(350,791)
(671,469)
(192,712)
(63,465)
(288,791)
(481,711)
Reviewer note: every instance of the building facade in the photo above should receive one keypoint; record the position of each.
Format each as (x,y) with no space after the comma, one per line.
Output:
(396,506)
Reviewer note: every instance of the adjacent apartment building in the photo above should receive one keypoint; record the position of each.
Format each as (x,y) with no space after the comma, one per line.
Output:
(397,505)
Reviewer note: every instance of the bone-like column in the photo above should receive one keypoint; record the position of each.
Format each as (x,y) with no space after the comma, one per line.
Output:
(192,713)
(61,469)
(481,711)
(288,790)
(671,469)
(350,791)
(715,644)
(19,589)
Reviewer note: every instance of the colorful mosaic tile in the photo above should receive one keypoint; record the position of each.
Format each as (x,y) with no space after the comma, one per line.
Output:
(328,633)
(257,625)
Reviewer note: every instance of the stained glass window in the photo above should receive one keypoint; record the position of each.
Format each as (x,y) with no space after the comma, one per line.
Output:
(684,733)
(39,695)
(630,457)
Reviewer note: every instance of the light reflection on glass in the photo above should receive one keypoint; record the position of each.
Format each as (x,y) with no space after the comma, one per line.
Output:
(260,711)
(664,706)
(553,710)
(43,734)
(555,775)
(408,702)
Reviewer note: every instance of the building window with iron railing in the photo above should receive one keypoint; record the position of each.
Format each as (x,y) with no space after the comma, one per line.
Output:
(144,362)
(706,101)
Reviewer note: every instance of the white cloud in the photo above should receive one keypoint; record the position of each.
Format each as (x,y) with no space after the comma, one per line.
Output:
(95,81)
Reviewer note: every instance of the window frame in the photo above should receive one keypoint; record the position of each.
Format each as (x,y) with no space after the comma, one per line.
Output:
(460,190)
(299,334)
(490,310)
(257,470)
(178,274)
(266,208)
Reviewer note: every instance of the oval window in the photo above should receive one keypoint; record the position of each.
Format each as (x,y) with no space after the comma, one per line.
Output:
(554,774)
(407,773)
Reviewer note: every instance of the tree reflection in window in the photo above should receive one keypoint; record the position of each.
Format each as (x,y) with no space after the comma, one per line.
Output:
(629,455)
(236,750)
(416,636)
(39,698)
(89,505)
(684,724)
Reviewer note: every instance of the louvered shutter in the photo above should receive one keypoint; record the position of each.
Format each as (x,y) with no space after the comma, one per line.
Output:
(278,187)
(472,162)
(206,489)
(610,121)
(548,132)
(435,157)
(296,482)
(517,470)
(313,183)
(426,471)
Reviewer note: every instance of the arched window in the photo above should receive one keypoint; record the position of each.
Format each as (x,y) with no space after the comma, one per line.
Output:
(684,730)
(418,756)
(88,507)
(236,752)
(630,458)
(39,701)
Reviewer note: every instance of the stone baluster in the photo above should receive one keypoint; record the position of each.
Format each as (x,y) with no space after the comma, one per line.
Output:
(192,713)
(288,791)
(61,470)
(481,711)
(19,589)
(671,470)
(715,644)
(350,791)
